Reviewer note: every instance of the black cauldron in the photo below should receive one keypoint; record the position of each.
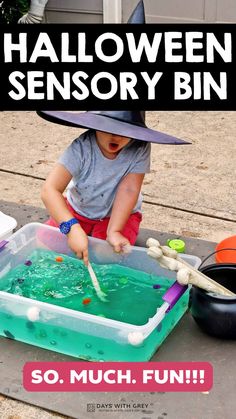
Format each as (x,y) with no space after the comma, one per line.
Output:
(216,314)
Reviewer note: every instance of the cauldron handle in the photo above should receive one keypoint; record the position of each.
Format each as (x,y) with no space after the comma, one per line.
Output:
(213,253)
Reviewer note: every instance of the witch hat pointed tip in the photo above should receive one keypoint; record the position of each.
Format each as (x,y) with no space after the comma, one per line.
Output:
(138,14)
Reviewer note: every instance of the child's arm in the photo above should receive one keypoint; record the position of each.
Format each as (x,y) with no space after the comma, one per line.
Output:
(52,196)
(125,201)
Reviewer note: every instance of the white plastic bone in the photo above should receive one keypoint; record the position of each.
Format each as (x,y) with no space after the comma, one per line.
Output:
(152,243)
(183,276)
(186,274)
(101,295)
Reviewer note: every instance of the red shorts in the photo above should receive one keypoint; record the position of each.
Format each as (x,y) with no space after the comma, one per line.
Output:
(98,228)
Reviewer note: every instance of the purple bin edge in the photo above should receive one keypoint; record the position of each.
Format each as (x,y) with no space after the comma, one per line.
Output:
(173,294)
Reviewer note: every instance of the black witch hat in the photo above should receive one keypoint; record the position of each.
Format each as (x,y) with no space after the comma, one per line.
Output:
(129,124)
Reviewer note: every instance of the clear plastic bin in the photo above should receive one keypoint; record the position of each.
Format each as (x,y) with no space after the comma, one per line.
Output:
(80,334)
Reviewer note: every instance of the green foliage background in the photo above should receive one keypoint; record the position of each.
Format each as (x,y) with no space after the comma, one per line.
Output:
(11,11)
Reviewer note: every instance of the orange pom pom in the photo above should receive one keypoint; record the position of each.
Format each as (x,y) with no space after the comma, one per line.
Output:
(86,301)
(59,259)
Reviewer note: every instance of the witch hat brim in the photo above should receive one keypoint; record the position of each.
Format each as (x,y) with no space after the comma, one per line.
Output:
(129,124)
(102,122)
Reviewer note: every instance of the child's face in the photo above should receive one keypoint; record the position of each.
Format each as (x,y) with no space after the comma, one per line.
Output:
(111,144)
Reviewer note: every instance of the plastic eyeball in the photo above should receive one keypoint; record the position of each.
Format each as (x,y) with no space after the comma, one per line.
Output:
(135,338)
(33,314)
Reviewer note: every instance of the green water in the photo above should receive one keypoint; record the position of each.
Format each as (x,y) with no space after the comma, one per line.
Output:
(131,297)
(85,346)
(130,294)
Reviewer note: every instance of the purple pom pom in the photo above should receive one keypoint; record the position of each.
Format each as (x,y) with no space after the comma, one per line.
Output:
(156,286)
(28,263)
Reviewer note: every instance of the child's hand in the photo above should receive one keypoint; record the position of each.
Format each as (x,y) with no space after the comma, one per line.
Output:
(117,241)
(78,242)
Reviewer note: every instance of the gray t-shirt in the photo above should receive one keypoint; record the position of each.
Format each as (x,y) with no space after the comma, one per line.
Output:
(96,178)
